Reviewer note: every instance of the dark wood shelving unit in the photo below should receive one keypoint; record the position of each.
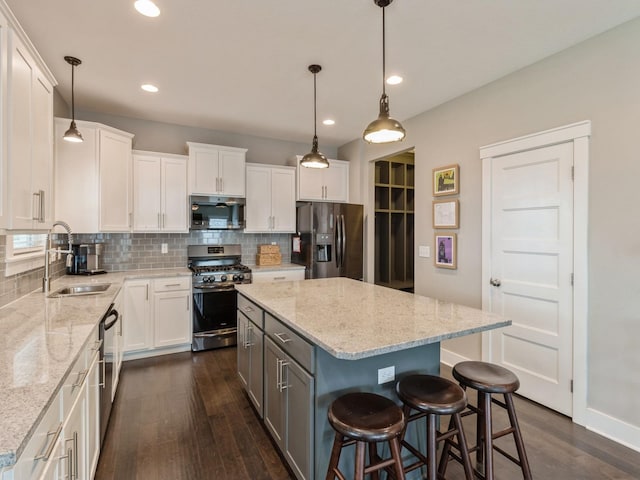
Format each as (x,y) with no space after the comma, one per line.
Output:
(394,220)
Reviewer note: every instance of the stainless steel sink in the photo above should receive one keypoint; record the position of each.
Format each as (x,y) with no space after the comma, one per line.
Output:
(76,290)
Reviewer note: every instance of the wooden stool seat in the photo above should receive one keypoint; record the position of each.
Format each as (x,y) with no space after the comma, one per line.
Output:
(489,379)
(486,377)
(431,396)
(363,419)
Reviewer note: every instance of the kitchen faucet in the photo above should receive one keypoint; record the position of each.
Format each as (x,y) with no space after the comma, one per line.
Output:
(46,286)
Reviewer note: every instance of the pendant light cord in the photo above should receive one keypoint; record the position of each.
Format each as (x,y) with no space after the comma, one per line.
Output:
(383,55)
(315,116)
(73,104)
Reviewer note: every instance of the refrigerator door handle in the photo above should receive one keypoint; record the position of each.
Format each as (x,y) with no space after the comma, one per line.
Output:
(336,241)
(343,231)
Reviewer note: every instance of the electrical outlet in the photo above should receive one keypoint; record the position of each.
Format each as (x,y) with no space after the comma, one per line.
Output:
(424,251)
(164,248)
(387,374)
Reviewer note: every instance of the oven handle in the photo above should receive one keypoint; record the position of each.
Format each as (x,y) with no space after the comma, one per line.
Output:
(220,333)
(214,289)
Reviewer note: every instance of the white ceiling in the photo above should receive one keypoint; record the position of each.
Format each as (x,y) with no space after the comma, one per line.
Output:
(241,65)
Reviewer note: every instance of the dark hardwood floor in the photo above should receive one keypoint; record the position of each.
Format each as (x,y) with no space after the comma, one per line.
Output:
(186,417)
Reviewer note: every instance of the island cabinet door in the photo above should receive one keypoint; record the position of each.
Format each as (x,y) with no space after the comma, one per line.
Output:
(298,389)
(274,411)
(243,350)
(255,339)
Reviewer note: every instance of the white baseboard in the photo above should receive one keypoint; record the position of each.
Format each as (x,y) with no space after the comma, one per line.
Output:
(450,358)
(614,429)
(136,355)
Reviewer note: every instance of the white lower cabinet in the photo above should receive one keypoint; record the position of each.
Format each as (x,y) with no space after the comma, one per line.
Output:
(277,275)
(66,443)
(157,316)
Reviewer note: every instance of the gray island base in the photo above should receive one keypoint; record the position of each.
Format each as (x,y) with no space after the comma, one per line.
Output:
(303,344)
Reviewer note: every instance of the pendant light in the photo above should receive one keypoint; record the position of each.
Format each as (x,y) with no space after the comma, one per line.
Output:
(314,159)
(73,135)
(384,129)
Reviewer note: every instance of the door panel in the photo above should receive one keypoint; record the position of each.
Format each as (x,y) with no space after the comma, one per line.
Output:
(531,256)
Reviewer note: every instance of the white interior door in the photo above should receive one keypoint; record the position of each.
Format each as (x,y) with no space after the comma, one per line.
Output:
(532,269)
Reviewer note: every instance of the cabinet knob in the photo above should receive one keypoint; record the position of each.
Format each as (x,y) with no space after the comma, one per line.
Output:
(495,282)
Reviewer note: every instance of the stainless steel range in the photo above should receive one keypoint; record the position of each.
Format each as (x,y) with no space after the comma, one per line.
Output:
(216,270)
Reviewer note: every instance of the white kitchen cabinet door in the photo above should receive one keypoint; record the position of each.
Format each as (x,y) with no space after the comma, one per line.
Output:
(271,201)
(323,184)
(75,439)
(30,147)
(216,170)
(172,318)
(174,199)
(232,173)
(258,207)
(115,182)
(136,324)
(283,200)
(146,193)
(93,416)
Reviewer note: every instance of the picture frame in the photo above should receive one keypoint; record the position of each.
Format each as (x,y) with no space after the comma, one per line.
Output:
(446,180)
(445,250)
(446,213)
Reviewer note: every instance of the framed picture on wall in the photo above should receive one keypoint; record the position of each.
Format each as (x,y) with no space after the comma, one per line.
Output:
(446,180)
(446,251)
(445,213)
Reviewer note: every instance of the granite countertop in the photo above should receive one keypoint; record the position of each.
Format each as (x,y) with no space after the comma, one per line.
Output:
(275,268)
(352,320)
(40,340)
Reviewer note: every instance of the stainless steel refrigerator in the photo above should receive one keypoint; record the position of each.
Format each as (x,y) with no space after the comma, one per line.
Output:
(331,239)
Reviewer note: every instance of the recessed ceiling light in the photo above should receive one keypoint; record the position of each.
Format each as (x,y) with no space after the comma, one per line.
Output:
(328,121)
(394,80)
(147,87)
(147,8)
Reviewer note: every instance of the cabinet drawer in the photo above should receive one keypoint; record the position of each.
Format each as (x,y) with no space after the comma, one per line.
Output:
(251,310)
(72,385)
(301,350)
(170,284)
(277,276)
(39,451)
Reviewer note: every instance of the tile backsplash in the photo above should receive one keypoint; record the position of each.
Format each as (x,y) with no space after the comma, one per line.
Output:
(136,251)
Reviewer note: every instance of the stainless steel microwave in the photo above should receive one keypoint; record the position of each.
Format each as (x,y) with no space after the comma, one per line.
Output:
(217,213)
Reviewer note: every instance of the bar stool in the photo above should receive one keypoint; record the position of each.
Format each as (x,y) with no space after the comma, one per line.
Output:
(432,396)
(488,379)
(365,419)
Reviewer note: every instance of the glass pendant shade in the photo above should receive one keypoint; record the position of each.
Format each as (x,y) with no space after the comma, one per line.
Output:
(384,129)
(314,159)
(73,135)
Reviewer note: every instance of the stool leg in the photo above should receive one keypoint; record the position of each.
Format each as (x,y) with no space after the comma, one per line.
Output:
(373,457)
(432,473)
(359,470)
(464,449)
(522,454)
(394,445)
(488,437)
(480,447)
(335,456)
(444,456)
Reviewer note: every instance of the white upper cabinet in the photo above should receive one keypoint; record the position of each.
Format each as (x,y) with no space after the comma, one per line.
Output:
(29,135)
(216,170)
(323,184)
(271,200)
(93,178)
(160,192)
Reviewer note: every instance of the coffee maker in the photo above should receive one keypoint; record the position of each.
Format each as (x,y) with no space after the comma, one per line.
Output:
(86,259)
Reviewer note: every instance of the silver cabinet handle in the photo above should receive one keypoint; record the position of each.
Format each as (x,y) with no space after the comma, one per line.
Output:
(42,205)
(282,384)
(104,374)
(55,434)
(81,376)
(279,278)
(221,184)
(35,207)
(147,291)
(495,282)
(247,309)
(248,333)
(283,337)
(171,284)
(163,220)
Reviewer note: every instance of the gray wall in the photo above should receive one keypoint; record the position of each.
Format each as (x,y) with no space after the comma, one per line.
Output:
(598,80)
(170,138)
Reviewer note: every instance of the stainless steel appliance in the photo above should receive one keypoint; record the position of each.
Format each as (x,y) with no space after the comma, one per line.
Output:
(107,359)
(216,270)
(331,241)
(87,259)
(217,213)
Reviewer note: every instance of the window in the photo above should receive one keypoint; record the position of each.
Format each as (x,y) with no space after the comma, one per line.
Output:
(24,252)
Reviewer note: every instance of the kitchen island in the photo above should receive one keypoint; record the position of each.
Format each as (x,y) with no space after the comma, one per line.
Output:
(326,337)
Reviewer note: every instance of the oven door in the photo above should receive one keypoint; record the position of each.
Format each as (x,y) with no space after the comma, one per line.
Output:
(214,317)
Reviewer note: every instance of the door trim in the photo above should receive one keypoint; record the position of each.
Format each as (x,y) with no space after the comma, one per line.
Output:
(578,133)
